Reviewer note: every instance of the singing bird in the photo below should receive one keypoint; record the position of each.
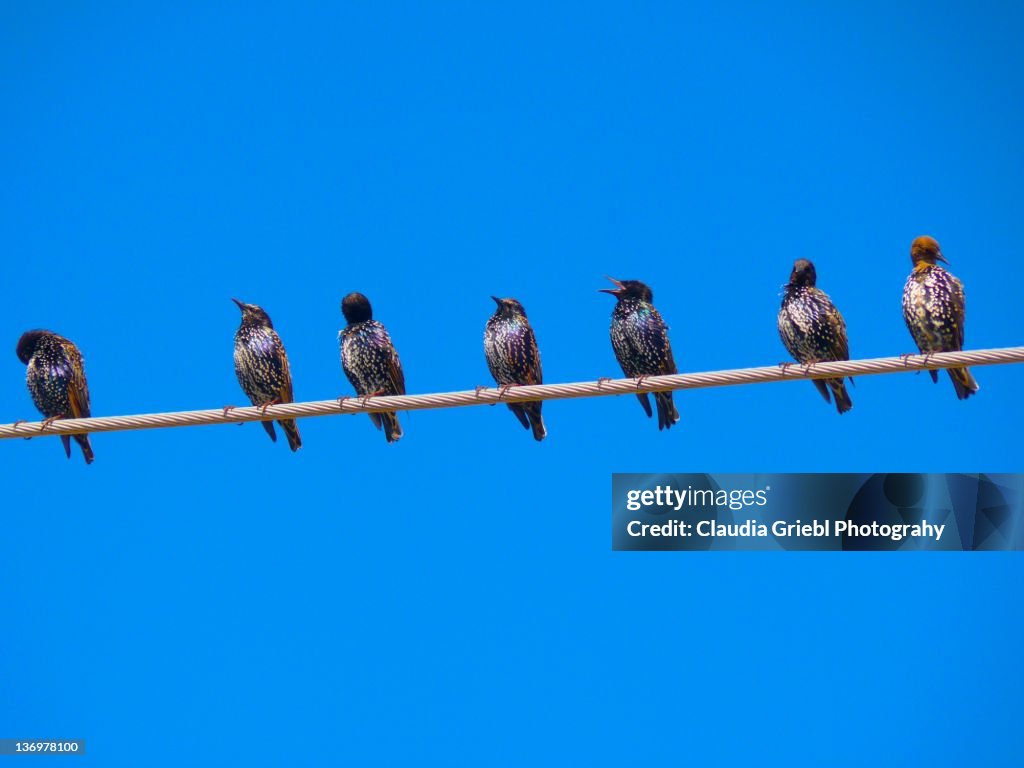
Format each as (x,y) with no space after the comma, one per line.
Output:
(56,381)
(512,355)
(261,365)
(813,330)
(370,360)
(933,308)
(640,339)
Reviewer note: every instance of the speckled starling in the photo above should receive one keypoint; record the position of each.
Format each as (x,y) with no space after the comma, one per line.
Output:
(512,355)
(261,365)
(56,381)
(933,307)
(370,360)
(813,330)
(640,339)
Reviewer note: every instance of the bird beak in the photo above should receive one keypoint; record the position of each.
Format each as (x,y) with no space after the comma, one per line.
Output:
(940,257)
(241,304)
(497,301)
(619,287)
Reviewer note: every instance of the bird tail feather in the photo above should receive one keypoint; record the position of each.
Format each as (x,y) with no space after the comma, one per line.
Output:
(520,413)
(645,402)
(83,443)
(963,382)
(667,413)
(269,426)
(536,421)
(392,429)
(291,431)
(843,401)
(66,440)
(819,384)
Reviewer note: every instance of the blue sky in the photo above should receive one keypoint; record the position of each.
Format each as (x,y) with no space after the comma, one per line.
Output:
(453,598)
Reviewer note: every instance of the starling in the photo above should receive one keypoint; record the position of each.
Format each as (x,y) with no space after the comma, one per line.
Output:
(261,365)
(813,330)
(56,381)
(640,339)
(370,360)
(933,307)
(513,357)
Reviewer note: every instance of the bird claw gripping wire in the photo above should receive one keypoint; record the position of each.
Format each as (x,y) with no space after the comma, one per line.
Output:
(365,398)
(478,389)
(14,426)
(640,381)
(503,390)
(264,406)
(905,357)
(602,379)
(341,402)
(48,421)
(227,408)
(784,367)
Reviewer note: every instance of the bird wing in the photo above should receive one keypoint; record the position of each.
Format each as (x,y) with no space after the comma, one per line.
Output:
(78,389)
(395,373)
(668,362)
(669,365)
(841,347)
(959,309)
(284,393)
(531,357)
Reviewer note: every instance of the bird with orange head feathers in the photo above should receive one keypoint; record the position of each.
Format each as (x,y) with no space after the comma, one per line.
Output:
(934,310)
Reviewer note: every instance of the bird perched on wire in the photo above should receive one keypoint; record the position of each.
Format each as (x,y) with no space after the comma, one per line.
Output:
(512,355)
(813,330)
(370,360)
(56,381)
(261,365)
(640,339)
(933,308)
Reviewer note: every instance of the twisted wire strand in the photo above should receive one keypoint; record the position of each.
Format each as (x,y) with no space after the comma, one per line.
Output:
(517,394)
